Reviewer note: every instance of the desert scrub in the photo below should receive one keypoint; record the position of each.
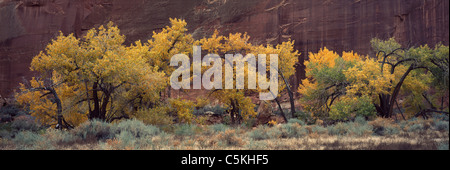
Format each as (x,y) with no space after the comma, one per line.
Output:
(135,128)
(24,123)
(442,146)
(383,127)
(318,129)
(357,128)
(214,129)
(60,137)
(229,138)
(259,133)
(441,125)
(187,130)
(298,121)
(132,134)
(288,130)
(94,130)
(27,140)
(158,116)
(255,145)
(291,130)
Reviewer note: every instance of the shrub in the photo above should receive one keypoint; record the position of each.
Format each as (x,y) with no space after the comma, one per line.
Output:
(300,122)
(259,133)
(5,134)
(219,127)
(217,110)
(440,116)
(291,130)
(186,130)
(360,120)
(442,146)
(318,129)
(60,137)
(26,139)
(95,129)
(183,108)
(360,129)
(135,128)
(441,125)
(350,128)
(155,116)
(416,128)
(305,117)
(24,123)
(8,112)
(256,145)
(338,129)
(349,108)
(229,138)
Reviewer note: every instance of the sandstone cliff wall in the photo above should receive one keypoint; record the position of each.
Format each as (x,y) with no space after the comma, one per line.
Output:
(26,26)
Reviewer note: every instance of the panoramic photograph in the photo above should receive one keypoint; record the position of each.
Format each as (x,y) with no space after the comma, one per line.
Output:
(217,75)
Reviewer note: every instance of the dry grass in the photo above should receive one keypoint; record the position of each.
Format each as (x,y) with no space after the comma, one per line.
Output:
(411,135)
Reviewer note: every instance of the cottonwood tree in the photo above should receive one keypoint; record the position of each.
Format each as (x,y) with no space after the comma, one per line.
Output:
(44,99)
(344,87)
(241,106)
(170,41)
(108,79)
(415,70)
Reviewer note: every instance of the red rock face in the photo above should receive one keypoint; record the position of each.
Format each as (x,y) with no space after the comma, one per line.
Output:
(27,26)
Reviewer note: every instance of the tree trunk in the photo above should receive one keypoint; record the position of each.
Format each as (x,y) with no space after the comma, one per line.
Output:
(59,108)
(94,114)
(291,94)
(281,109)
(102,115)
(397,90)
(386,107)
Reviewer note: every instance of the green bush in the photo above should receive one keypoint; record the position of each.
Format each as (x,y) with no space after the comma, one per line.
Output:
(441,125)
(24,123)
(186,130)
(9,112)
(256,145)
(338,129)
(416,128)
(360,130)
(291,130)
(300,122)
(318,129)
(442,146)
(229,138)
(27,138)
(95,129)
(259,133)
(135,128)
(5,134)
(350,128)
(60,137)
(305,117)
(219,127)
(351,108)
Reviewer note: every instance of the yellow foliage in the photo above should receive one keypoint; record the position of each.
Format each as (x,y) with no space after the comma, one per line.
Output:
(365,78)
(272,122)
(44,109)
(184,109)
(96,71)
(321,59)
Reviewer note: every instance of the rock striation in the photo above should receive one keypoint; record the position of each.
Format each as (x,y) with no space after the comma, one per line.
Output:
(26,26)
